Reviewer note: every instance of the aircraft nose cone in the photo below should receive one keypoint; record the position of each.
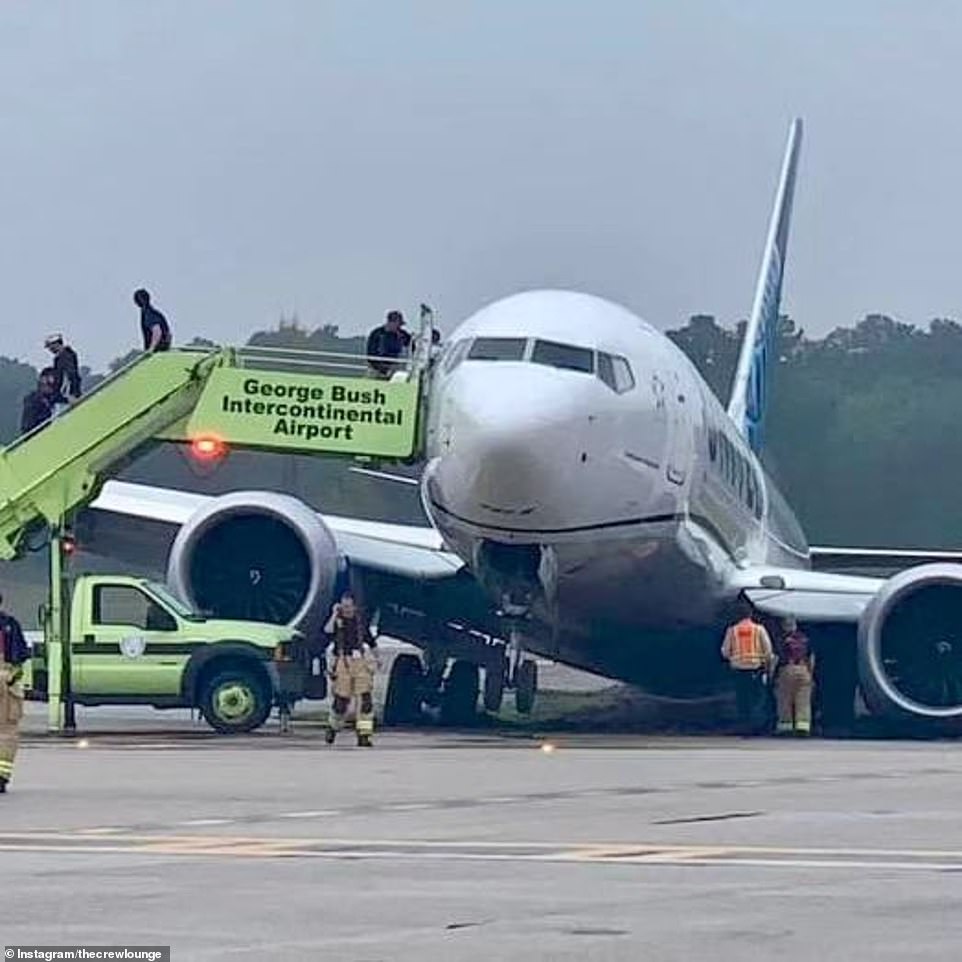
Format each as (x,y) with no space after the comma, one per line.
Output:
(506,443)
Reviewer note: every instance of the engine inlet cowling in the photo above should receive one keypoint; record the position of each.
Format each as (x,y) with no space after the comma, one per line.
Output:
(910,645)
(256,556)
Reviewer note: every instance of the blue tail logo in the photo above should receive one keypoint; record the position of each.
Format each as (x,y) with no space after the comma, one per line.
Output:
(749,399)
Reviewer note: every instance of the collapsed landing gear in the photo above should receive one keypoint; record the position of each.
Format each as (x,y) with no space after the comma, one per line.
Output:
(459,696)
(525,686)
(523,672)
(405,691)
(494,681)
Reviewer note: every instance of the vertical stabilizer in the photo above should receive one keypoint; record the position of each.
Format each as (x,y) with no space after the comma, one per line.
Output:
(750,388)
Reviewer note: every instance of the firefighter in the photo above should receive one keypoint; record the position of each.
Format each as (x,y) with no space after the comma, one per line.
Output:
(748,650)
(793,683)
(352,660)
(13,653)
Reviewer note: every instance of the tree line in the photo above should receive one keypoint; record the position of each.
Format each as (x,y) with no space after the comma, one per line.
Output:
(861,435)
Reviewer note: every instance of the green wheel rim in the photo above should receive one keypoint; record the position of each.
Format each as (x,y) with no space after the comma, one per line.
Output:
(234,702)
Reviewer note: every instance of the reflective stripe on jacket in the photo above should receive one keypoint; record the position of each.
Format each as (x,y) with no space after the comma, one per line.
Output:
(747,645)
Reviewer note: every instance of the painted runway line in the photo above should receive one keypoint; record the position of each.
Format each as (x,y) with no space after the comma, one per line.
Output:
(636,855)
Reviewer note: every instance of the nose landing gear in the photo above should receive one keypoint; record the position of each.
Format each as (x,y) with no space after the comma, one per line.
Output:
(525,686)
(405,691)
(447,679)
(523,673)
(459,696)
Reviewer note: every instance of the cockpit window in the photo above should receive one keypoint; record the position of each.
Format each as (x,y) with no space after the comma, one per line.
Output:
(497,349)
(565,356)
(606,370)
(615,371)
(455,355)
(624,379)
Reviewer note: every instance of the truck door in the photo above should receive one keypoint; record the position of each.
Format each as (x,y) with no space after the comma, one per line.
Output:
(130,645)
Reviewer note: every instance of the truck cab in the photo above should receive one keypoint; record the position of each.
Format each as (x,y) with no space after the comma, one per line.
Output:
(134,642)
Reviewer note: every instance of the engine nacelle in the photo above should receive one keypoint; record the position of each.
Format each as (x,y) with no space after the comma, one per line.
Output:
(910,645)
(256,556)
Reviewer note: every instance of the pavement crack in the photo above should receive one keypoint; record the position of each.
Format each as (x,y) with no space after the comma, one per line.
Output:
(723,817)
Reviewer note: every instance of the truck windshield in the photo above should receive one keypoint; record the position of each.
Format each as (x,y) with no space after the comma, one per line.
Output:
(173,602)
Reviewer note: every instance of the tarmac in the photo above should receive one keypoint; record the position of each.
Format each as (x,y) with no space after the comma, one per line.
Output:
(486,844)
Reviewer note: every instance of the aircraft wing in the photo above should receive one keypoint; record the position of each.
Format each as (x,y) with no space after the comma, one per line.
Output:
(808,595)
(397,549)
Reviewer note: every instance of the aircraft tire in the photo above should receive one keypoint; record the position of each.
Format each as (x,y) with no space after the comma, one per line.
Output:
(493,687)
(526,686)
(402,702)
(459,699)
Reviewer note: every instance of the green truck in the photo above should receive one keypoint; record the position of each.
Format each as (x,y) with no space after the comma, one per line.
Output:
(132,642)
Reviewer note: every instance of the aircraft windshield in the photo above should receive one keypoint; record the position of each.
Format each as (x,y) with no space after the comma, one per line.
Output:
(497,349)
(565,356)
(612,369)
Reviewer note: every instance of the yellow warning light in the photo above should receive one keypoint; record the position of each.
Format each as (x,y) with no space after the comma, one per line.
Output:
(547,747)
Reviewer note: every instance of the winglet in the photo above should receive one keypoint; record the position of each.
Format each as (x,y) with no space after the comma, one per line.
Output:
(750,387)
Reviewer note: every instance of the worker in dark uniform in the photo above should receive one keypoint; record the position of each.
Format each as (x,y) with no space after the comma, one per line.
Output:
(66,368)
(38,405)
(13,653)
(748,650)
(385,345)
(793,681)
(352,661)
(153,324)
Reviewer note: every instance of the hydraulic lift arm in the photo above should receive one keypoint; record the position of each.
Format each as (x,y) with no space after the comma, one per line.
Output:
(258,399)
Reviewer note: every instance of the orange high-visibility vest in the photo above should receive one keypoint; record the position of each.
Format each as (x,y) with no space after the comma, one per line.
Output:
(747,650)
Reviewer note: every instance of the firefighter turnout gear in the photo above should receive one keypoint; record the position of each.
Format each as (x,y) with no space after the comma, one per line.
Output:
(793,684)
(748,650)
(13,653)
(351,668)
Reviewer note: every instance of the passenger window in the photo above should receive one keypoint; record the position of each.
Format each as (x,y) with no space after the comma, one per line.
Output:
(624,379)
(497,349)
(564,356)
(125,606)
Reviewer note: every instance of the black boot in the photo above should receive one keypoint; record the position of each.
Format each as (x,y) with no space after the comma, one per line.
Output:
(329,735)
(3,786)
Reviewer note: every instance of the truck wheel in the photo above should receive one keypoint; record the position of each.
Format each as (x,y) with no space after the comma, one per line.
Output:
(235,700)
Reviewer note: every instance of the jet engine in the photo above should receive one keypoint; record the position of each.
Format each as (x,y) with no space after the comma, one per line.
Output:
(910,646)
(256,556)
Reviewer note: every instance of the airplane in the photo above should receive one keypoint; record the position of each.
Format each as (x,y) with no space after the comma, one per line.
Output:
(591,502)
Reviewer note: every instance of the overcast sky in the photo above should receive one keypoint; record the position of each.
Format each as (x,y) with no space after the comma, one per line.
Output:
(335,159)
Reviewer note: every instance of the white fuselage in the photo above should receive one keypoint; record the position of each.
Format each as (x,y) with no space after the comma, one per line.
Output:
(582,469)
